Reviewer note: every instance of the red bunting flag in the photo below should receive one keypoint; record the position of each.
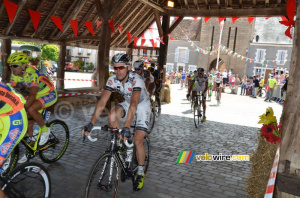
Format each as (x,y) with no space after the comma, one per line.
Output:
(135,39)
(283,18)
(57,22)
(170,37)
(111,25)
(120,28)
(195,18)
(250,19)
(11,9)
(290,9)
(267,18)
(206,19)
(128,37)
(234,19)
(74,25)
(35,18)
(98,24)
(176,18)
(161,40)
(89,26)
(152,42)
(142,43)
(221,19)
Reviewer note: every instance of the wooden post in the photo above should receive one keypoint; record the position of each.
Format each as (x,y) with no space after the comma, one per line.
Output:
(60,85)
(5,51)
(288,178)
(163,49)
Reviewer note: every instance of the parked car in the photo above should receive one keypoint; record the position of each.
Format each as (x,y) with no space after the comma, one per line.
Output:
(69,67)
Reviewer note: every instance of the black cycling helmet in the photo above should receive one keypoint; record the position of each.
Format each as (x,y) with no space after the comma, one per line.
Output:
(120,58)
(153,65)
(200,70)
(138,64)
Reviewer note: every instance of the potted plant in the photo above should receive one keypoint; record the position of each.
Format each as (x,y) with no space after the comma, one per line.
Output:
(34,60)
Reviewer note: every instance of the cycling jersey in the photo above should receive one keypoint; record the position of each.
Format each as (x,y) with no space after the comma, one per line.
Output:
(218,81)
(133,83)
(183,76)
(210,81)
(199,84)
(32,78)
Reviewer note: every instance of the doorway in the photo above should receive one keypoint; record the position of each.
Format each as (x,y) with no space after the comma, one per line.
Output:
(213,65)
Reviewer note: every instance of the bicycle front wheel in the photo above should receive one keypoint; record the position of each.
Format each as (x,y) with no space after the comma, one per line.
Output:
(57,143)
(27,181)
(103,179)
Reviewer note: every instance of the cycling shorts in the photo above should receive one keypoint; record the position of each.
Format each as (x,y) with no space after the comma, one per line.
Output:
(48,99)
(143,112)
(210,84)
(12,130)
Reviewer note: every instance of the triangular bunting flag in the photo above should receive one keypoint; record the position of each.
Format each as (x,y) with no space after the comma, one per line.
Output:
(11,9)
(251,60)
(57,22)
(74,25)
(98,24)
(250,19)
(120,28)
(283,18)
(128,37)
(142,43)
(170,37)
(267,18)
(195,18)
(161,40)
(152,42)
(221,19)
(135,39)
(176,18)
(206,19)
(234,19)
(35,18)
(111,25)
(89,26)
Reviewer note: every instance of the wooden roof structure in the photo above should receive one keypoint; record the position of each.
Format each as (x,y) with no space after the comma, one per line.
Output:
(134,16)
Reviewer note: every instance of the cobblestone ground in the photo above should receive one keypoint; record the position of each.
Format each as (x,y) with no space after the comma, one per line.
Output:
(230,129)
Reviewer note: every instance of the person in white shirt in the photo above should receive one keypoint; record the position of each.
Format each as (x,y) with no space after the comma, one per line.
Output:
(225,77)
(219,84)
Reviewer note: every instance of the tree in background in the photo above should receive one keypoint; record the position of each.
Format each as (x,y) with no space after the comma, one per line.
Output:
(24,43)
(50,52)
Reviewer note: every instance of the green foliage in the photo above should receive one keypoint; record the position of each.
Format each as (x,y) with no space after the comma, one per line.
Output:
(38,58)
(78,63)
(24,43)
(50,52)
(90,67)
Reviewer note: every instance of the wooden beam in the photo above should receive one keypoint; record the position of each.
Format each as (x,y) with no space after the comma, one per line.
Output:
(278,2)
(186,3)
(267,3)
(47,19)
(207,5)
(163,49)
(241,3)
(2,8)
(119,5)
(254,2)
(148,18)
(20,7)
(100,10)
(288,183)
(82,38)
(64,18)
(73,15)
(25,27)
(196,4)
(153,5)
(26,39)
(174,25)
(61,67)
(5,52)
(219,4)
(157,20)
(134,20)
(258,12)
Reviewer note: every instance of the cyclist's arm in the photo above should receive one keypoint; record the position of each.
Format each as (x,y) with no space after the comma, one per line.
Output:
(190,88)
(132,108)
(100,105)
(32,96)
(206,87)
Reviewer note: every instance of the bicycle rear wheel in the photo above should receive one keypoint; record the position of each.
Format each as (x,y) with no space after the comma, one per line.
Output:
(197,115)
(57,143)
(152,120)
(104,177)
(27,181)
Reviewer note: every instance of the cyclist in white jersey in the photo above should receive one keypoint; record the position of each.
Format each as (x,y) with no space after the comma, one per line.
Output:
(133,89)
(218,84)
(146,76)
(199,84)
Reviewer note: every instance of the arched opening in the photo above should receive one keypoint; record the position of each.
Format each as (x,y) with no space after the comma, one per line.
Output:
(213,64)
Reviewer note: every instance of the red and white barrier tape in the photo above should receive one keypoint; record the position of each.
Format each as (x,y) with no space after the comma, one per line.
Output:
(272,178)
(55,79)
(79,94)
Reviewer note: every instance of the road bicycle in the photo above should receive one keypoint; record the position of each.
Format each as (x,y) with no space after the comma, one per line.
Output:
(198,115)
(30,180)
(262,92)
(218,96)
(50,152)
(119,161)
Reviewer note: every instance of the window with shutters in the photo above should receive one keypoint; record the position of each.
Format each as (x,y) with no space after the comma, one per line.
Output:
(260,55)
(281,57)
(182,55)
(169,68)
(80,50)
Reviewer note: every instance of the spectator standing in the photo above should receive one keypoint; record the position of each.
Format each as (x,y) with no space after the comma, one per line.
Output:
(256,86)
(225,77)
(244,84)
(237,82)
(271,84)
(261,84)
(95,78)
(178,77)
(284,88)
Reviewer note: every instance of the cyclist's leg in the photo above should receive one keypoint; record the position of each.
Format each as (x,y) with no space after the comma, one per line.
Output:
(12,130)
(204,108)
(119,111)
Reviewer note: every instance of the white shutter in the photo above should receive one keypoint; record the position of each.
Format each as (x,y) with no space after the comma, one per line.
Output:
(176,54)
(187,56)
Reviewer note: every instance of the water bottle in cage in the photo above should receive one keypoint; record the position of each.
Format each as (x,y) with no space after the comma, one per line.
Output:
(129,154)
(47,115)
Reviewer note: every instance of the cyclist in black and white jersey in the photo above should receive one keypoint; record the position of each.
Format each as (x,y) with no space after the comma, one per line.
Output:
(134,91)
(218,84)
(146,76)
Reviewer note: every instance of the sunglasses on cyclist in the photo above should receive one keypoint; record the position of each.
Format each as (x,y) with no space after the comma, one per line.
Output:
(14,66)
(119,68)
